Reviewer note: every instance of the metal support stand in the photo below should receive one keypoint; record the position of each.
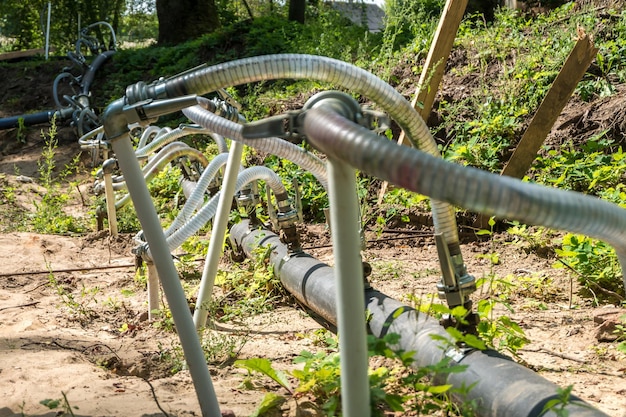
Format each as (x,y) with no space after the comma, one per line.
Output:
(107,168)
(344,209)
(116,128)
(218,233)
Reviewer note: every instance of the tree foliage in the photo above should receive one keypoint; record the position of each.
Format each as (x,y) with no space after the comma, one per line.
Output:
(24,21)
(184,20)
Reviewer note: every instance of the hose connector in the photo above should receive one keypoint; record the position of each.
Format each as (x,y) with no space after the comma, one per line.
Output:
(456,284)
(285,219)
(248,198)
(221,108)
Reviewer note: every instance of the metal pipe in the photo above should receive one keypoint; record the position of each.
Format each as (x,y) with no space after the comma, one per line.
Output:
(344,216)
(499,386)
(116,128)
(218,232)
(48,30)
(471,188)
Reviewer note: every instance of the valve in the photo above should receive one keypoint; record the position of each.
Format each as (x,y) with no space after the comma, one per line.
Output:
(455,287)
(285,219)
(288,125)
(248,198)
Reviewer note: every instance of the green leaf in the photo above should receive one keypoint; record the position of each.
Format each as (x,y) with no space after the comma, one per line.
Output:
(50,403)
(269,401)
(439,389)
(264,366)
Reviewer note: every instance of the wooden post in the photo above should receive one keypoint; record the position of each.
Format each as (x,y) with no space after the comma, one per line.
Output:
(435,64)
(551,107)
(549,110)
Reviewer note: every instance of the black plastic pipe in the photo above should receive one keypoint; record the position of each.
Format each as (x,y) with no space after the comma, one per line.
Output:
(93,68)
(500,387)
(31,119)
(27,119)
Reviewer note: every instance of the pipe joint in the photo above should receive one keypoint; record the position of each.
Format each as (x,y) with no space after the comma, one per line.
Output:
(142,250)
(221,108)
(339,102)
(141,91)
(109,166)
(248,197)
(458,294)
(114,119)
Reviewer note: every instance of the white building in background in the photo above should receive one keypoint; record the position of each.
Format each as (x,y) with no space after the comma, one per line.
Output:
(368,13)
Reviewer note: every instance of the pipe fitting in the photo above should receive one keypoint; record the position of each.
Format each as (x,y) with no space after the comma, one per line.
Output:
(459,294)
(248,197)
(289,234)
(114,119)
(109,166)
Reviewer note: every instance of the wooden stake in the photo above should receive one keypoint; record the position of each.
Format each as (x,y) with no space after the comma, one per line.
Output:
(435,65)
(551,107)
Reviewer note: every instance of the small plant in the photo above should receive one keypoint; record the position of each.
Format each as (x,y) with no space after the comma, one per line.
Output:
(50,216)
(21,130)
(62,404)
(595,264)
(559,404)
(394,387)
(80,307)
(249,287)
(218,347)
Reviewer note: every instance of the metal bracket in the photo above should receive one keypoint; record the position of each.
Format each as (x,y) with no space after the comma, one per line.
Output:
(284,126)
(456,284)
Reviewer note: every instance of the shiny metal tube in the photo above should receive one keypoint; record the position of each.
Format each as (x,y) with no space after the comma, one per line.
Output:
(273,146)
(467,187)
(339,73)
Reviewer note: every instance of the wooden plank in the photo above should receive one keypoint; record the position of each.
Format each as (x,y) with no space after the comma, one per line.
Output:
(22,54)
(551,107)
(435,65)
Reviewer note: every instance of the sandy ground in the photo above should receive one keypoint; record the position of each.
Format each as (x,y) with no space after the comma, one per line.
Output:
(46,350)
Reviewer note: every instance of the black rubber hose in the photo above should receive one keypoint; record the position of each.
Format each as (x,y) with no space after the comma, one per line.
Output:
(93,68)
(27,119)
(499,386)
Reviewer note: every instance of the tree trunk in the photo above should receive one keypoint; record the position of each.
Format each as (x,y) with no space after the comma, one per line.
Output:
(183,20)
(296,10)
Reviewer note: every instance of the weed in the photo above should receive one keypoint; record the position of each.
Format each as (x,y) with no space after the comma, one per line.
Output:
(535,239)
(249,287)
(163,319)
(80,307)
(393,387)
(21,130)
(592,168)
(218,347)
(559,404)
(50,216)
(65,409)
(596,265)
